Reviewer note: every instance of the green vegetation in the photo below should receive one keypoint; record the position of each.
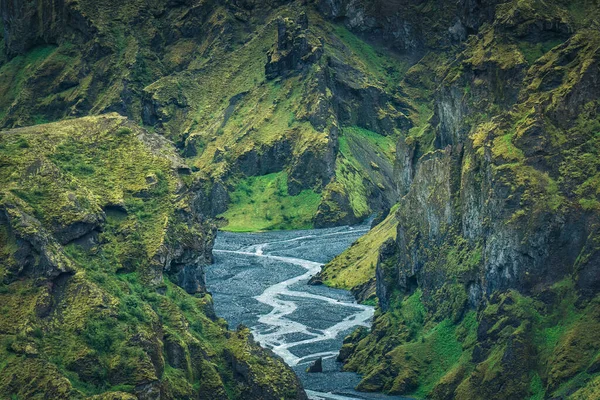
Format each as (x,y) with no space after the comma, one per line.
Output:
(431,357)
(428,352)
(356,266)
(222,113)
(487,323)
(376,62)
(353,183)
(83,173)
(263,203)
(490,292)
(104,320)
(534,51)
(382,145)
(363,167)
(17,71)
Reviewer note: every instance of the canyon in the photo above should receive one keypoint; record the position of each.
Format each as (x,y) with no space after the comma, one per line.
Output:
(438,160)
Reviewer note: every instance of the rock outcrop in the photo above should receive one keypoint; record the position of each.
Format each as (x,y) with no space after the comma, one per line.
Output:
(498,225)
(474,122)
(296,47)
(42,22)
(316,366)
(291,84)
(104,246)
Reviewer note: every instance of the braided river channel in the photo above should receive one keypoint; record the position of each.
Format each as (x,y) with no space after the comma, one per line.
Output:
(260,280)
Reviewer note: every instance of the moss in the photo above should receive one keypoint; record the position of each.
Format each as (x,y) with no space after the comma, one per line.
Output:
(526,160)
(537,388)
(353,183)
(534,51)
(263,203)
(100,329)
(462,259)
(356,266)
(15,73)
(268,374)
(97,171)
(33,379)
(434,354)
(376,62)
(219,112)
(589,391)
(423,353)
(575,349)
(383,145)
(504,148)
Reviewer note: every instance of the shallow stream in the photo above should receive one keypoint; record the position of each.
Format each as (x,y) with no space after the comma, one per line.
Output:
(260,280)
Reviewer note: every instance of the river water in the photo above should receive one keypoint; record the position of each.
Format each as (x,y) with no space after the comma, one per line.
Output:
(260,280)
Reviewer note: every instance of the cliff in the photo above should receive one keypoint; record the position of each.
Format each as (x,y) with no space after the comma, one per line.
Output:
(471,128)
(244,89)
(102,277)
(490,288)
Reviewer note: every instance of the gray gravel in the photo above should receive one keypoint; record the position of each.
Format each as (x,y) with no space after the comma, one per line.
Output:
(259,280)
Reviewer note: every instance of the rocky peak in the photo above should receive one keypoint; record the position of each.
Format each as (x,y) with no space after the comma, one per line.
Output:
(296,47)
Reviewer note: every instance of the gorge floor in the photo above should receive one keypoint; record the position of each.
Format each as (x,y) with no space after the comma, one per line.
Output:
(260,280)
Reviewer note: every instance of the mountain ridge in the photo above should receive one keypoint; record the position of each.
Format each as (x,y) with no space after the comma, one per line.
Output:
(470,128)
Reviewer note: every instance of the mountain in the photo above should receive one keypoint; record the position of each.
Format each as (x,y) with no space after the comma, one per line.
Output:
(488,282)
(132,129)
(244,89)
(103,293)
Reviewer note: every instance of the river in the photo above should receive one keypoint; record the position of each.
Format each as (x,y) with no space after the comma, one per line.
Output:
(260,280)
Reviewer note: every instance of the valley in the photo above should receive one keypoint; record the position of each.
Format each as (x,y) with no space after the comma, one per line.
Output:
(198,198)
(257,280)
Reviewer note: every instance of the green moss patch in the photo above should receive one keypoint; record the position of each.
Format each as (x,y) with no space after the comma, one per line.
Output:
(356,266)
(111,321)
(263,203)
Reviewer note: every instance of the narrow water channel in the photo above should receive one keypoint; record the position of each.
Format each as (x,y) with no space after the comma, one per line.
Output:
(260,280)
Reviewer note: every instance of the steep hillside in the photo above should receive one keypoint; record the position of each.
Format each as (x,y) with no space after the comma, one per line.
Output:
(245,89)
(490,289)
(470,127)
(102,281)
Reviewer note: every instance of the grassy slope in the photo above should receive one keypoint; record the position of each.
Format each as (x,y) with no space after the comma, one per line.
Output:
(356,266)
(105,329)
(361,152)
(90,171)
(268,111)
(558,333)
(14,73)
(430,355)
(262,203)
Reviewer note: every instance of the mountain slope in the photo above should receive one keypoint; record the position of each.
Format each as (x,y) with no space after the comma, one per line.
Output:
(490,289)
(243,88)
(102,291)
(473,123)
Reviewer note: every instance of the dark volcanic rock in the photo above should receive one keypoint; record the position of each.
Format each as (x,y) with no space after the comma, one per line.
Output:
(316,366)
(38,254)
(31,23)
(479,233)
(296,47)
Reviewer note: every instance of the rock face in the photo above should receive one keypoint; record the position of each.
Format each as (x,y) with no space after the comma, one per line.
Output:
(475,122)
(498,224)
(32,23)
(292,84)
(104,247)
(295,48)
(410,27)
(315,367)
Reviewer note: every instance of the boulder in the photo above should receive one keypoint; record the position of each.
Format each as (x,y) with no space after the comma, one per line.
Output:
(316,366)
